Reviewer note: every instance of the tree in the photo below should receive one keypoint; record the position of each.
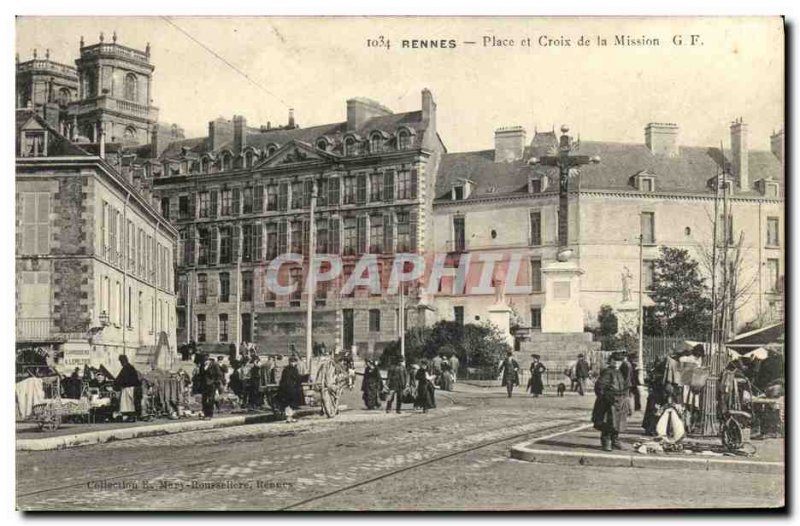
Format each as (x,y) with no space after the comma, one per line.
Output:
(608,326)
(682,306)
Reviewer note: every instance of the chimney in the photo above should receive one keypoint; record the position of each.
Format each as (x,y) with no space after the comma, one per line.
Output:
(360,110)
(156,147)
(239,133)
(776,143)
(509,144)
(291,124)
(220,132)
(661,138)
(428,109)
(739,156)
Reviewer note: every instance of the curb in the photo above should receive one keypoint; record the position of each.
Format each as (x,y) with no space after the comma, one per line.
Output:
(524,452)
(128,433)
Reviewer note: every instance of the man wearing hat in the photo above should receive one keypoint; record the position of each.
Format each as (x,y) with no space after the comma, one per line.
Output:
(581,373)
(510,369)
(610,411)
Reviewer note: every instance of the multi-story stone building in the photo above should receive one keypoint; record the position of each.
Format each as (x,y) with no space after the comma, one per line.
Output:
(94,275)
(241,196)
(496,201)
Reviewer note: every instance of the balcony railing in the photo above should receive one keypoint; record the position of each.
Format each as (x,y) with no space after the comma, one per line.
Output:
(33,328)
(48,65)
(115,50)
(105,102)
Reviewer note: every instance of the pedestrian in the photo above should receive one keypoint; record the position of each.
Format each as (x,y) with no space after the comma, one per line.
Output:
(330,381)
(126,383)
(634,388)
(412,384)
(290,390)
(437,365)
(371,385)
(349,365)
(210,384)
(254,384)
(425,390)
(397,382)
(537,370)
(610,412)
(626,368)
(510,370)
(446,378)
(454,365)
(233,354)
(581,373)
(244,378)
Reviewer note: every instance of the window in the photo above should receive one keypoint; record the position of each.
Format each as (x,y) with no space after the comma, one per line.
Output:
(773,239)
(349,239)
(375,143)
(376,234)
(223,327)
(36,222)
(296,237)
(204,245)
(536,185)
(225,161)
(322,236)
(247,200)
(374,320)
(536,228)
(272,240)
(403,232)
(247,286)
(458,193)
(165,207)
(130,89)
(322,144)
(536,318)
(649,273)
(404,185)
(773,269)
(536,275)
(129,135)
(64,96)
(297,195)
(225,245)
(349,196)
(388,185)
(183,207)
(347,272)
(201,327)
(203,202)
(772,190)
(459,238)
(202,288)
(648,228)
(646,184)
(349,147)
(402,140)
(361,235)
(334,191)
(34,144)
(225,200)
(296,279)
(272,198)
(224,287)
(376,187)
(458,315)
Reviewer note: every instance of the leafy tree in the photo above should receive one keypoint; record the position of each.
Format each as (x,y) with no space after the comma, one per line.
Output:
(682,306)
(606,330)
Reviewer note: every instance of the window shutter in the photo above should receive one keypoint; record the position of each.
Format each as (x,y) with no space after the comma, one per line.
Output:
(235,202)
(322,193)
(333,235)
(28,223)
(258,241)
(388,185)
(388,234)
(283,236)
(361,188)
(334,192)
(212,249)
(191,241)
(412,220)
(323,226)
(283,196)
(193,206)
(414,183)
(212,212)
(361,235)
(258,199)
(235,242)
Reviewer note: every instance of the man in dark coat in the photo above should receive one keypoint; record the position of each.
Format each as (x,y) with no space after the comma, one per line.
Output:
(126,383)
(610,413)
(581,373)
(396,381)
(210,382)
(290,391)
(510,370)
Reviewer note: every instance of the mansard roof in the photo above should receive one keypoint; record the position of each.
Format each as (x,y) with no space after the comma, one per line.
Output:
(57,146)
(686,172)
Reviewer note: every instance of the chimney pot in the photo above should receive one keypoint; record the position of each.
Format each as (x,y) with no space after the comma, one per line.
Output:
(661,138)
(739,154)
(509,144)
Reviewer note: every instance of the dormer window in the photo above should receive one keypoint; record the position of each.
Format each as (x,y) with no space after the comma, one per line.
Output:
(225,162)
(271,150)
(375,143)
(461,189)
(350,147)
(458,193)
(645,182)
(322,144)
(248,159)
(34,144)
(403,141)
(768,188)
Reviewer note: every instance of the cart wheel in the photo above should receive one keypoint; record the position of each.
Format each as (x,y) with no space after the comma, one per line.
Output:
(732,436)
(51,423)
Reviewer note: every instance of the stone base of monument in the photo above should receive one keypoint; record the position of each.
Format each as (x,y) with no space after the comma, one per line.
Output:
(562,312)
(500,317)
(557,350)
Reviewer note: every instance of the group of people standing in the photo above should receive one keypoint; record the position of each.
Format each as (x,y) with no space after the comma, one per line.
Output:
(509,372)
(404,385)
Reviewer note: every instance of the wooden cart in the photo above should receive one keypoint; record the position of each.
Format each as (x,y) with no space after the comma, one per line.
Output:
(50,413)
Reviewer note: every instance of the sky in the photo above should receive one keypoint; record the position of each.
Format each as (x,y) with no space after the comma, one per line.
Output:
(315,64)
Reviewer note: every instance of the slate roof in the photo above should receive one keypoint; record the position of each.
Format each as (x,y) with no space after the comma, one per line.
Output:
(58,145)
(687,172)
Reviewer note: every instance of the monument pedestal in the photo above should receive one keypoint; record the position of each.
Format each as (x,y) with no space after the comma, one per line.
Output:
(562,310)
(500,317)
(627,317)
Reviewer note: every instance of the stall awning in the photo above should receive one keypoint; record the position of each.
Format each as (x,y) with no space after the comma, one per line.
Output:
(770,337)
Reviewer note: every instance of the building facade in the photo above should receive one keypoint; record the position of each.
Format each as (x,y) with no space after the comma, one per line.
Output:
(241,196)
(496,202)
(94,268)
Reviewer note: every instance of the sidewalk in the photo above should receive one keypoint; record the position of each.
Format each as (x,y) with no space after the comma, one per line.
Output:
(74,435)
(581,446)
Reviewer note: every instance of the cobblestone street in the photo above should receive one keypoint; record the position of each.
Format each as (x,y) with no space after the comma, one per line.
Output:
(448,459)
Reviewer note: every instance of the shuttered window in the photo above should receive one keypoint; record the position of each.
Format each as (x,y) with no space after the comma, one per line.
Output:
(36,223)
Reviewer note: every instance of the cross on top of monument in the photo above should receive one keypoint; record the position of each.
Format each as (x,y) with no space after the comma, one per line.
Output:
(566,163)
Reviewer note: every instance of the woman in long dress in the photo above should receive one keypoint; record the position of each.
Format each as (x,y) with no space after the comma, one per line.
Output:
(371,386)
(537,371)
(126,382)
(425,390)
(290,391)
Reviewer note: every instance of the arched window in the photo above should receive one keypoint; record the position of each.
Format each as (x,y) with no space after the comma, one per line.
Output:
(375,143)
(204,165)
(225,162)
(248,159)
(322,144)
(64,96)
(349,147)
(130,90)
(271,150)
(402,140)
(130,134)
